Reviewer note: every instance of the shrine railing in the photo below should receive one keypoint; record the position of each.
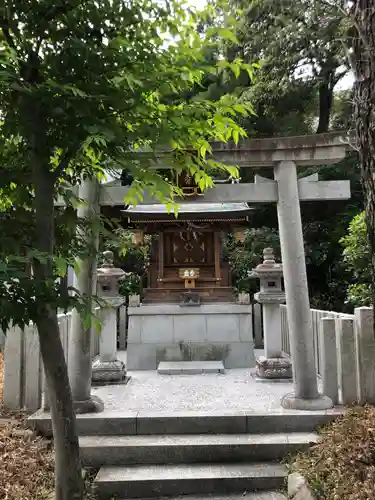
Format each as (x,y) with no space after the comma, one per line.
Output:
(344,355)
(316,316)
(23,368)
(344,347)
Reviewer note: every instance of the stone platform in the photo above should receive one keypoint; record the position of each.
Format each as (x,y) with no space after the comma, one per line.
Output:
(190,367)
(235,390)
(209,332)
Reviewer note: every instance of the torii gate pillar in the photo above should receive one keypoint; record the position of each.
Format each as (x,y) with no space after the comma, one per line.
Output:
(79,354)
(305,396)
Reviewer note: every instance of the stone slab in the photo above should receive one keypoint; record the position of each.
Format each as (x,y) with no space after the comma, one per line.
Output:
(97,451)
(142,356)
(259,495)
(329,365)
(292,421)
(210,332)
(115,423)
(174,309)
(240,355)
(90,424)
(191,328)
(13,369)
(157,329)
(167,480)
(190,422)
(224,329)
(190,367)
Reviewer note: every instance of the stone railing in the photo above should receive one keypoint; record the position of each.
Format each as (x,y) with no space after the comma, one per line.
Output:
(316,317)
(23,369)
(344,353)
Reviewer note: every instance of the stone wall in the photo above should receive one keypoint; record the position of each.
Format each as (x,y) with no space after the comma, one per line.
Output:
(197,333)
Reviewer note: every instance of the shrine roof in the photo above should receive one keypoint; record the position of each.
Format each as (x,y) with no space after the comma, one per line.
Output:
(189,208)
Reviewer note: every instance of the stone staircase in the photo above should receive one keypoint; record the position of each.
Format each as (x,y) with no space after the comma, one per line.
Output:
(193,455)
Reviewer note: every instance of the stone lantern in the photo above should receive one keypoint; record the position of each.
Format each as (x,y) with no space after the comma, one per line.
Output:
(107,368)
(272,365)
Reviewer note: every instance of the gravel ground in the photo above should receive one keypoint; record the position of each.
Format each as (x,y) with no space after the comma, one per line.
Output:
(234,390)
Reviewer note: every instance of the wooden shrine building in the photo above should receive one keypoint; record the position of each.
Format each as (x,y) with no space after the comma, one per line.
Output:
(187,268)
(186,261)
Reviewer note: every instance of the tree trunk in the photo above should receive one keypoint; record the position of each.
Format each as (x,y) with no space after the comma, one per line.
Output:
(364,113)
(325,104)
(68,475)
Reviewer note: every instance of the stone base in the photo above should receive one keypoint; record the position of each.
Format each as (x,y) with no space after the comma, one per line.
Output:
(105,372)
(291,402)
(274,368)
(272,380)
(92,405)
(207,332)
(190,367)
(102,383)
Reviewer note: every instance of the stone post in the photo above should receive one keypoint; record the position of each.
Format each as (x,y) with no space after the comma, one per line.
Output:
(107,368)
(365,354)
(305,396)
(329,349)
(273,365)
(79,352)
(348,374)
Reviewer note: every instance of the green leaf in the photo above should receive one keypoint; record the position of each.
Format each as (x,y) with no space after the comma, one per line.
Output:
(97,324)
(77,267)
(61,266)
(87,321)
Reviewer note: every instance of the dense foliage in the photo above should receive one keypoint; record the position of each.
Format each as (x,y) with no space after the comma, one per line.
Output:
(357,259)
(133,258)
(244,257)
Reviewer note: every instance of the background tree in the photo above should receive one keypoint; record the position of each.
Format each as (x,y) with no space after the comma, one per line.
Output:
(285,37)
(244,257)
(362,13)
(357,260)
(295,93)
(85,87)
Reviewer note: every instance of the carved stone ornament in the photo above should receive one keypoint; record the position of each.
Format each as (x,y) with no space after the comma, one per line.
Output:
(274,368)
(108,371)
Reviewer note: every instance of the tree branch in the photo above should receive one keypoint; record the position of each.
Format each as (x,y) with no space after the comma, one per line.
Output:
(63,7)
(65,160)
(4,25)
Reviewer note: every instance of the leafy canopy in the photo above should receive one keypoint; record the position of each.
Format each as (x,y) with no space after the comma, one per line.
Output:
(301,46)
(87,87)
(101,80)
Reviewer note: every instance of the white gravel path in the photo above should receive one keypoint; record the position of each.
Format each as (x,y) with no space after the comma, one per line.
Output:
(235,390)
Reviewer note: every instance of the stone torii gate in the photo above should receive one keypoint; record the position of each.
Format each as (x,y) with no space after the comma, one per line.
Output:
(284,155)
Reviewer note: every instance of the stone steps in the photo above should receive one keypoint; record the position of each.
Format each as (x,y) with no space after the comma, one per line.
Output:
(183,422)
(97,451)
(151,481)
(209,455)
